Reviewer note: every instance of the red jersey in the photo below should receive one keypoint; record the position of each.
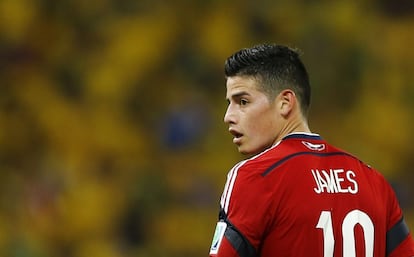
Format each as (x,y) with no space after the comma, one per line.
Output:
(304,197)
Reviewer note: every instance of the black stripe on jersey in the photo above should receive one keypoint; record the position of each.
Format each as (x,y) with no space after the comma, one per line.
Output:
(275,165)
(239,242)
(396,235)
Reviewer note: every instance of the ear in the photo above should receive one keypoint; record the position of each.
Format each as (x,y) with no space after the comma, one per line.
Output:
(287,102)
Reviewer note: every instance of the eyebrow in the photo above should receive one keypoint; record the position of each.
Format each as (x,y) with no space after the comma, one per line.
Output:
(237,95)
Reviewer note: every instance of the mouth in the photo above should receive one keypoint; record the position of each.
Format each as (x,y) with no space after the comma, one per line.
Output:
(237,136)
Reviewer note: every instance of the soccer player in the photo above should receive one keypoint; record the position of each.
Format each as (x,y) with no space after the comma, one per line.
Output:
(296,195)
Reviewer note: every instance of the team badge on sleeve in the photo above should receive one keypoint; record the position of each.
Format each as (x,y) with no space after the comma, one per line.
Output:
(218,237)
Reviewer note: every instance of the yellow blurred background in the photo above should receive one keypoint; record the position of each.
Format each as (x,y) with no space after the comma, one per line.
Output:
(111,135)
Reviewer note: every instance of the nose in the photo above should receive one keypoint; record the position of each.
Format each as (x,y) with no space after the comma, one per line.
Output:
(229,116)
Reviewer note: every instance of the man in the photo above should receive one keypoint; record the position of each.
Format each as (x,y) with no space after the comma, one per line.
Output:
(297,195)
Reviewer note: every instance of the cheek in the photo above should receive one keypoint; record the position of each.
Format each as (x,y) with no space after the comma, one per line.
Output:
(261,119)
(264,119)
(262,125)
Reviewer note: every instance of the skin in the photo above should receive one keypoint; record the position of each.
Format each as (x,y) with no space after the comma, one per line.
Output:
(257,122)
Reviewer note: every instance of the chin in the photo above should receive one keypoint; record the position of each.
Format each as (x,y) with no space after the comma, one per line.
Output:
(251,151)
(242,150)
(247,151)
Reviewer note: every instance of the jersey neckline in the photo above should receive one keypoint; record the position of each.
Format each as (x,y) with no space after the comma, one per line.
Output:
(303,135)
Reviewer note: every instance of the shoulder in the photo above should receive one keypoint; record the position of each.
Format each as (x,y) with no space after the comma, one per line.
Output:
(291,144)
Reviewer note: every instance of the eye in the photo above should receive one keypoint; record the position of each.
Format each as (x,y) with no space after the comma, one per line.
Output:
(243,102)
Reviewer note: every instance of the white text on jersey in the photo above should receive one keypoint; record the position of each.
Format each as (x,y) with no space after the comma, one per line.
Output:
(335,181)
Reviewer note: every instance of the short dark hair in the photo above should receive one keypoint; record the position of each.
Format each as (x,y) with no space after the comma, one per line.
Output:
(276,67)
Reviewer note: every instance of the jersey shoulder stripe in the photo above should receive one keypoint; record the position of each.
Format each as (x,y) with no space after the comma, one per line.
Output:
(286,158)
(231,179)
(228,188)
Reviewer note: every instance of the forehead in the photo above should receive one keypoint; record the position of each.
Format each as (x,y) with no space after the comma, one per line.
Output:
(239,84)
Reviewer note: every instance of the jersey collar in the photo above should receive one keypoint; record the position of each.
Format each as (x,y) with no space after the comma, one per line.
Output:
(303,135)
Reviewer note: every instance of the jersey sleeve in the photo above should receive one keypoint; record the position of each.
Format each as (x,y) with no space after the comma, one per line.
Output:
(399,242)
(399,239)
(245,211)
(405,248)
(226,249)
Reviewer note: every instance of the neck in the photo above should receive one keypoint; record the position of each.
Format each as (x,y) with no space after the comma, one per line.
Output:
(298,125)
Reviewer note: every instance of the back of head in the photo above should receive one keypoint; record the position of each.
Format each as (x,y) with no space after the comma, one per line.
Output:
(275,67)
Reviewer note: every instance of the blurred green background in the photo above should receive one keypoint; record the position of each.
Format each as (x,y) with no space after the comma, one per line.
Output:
(111,135)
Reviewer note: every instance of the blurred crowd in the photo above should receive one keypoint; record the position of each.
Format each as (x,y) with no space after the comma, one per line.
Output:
(111,135)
